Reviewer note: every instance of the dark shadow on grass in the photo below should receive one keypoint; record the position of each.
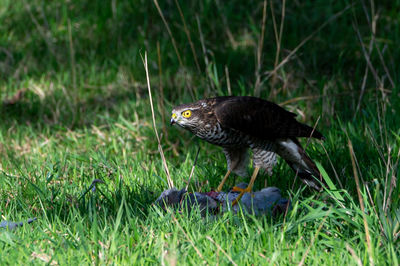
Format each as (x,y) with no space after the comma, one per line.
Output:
(56,111)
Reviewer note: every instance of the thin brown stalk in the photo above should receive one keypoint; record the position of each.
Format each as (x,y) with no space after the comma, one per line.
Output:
(160,150)
(355,172)
(280,32)
(312,241)
(384,65)
(364,82)
(228,81)
(188,238)
(396,235)
(300,99)
(294,51)
(367,57)
(389,151)
(169,32)
(228,31)
(278,36)
(193,167)
(370,47)
(71,54)
(333,167)
(380,54)
(203,47)
(388,167)
(42,31)
(259,52)
(311,97)
(374,208)
(274,23)
(221,249)
(312,132)
(285,215)
(373,28)
(354,255)
(188,36)
(387,164)
(376,145)
(161,90)
(393,183)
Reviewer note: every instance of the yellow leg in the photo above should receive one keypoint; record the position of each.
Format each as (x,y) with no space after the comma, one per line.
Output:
(219,188)
(249,187)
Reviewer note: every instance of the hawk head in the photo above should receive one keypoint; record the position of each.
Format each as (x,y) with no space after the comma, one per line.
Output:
(194,116)
(186,116)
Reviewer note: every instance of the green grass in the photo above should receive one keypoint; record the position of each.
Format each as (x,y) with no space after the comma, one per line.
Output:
(85,115)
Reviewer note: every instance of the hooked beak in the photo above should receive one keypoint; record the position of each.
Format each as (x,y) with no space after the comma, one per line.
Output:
(173,121)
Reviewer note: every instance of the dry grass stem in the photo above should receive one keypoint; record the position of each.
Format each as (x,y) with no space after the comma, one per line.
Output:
(169,32)
(355,172)
(72,55)
(387,195)
(332,166)
(42,32)
(259,52)
(278,36)
(169,180)
(161,90)
(374,208)
(203,47)
(188,36)
(373,30)
(188,239)
(193,167)
(221,249)
(301,98)
(393,182)
(354,255)
(312,241)
(312,132)
(228,81)
(228,31)
(294,51)
(364,82)
(367,57)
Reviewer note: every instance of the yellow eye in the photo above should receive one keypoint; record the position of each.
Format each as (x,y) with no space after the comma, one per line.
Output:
(187,113)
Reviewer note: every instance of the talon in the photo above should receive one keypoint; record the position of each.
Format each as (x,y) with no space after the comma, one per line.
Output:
(242,192)
(238,189)
(248,189)
(234,202)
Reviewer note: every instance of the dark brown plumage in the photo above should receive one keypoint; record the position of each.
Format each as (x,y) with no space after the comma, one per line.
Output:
(237,123)
(260,118)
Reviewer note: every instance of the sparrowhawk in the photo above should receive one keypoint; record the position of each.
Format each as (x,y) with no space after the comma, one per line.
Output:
(237,123)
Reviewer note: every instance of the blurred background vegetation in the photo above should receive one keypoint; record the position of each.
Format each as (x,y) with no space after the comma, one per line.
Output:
(92,49)
(73,65)
(74,107)
(67,65)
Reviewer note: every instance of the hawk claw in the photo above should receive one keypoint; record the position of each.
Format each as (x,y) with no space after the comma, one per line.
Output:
(238,189)
(242,191)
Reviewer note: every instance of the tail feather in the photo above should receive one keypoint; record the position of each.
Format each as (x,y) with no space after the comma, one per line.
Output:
(292,152)
(307,131)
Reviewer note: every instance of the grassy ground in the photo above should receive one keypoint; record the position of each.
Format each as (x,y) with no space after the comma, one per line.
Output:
(75,108)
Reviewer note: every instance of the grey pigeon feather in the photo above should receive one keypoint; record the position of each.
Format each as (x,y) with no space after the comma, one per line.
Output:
(267,201)
(13,225)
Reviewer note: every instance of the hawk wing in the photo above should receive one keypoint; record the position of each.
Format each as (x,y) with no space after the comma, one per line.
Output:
(260,118)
